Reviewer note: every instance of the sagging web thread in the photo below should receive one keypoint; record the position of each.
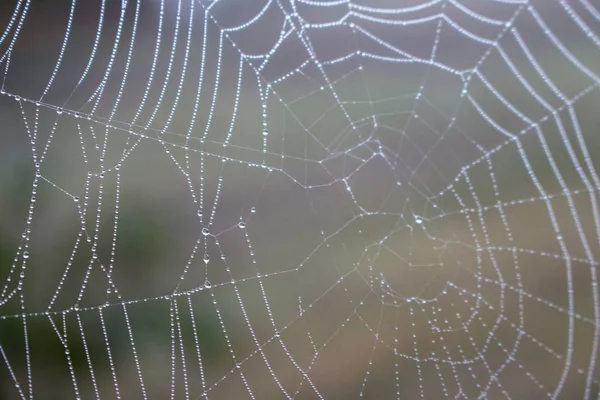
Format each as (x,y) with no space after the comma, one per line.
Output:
(345,129)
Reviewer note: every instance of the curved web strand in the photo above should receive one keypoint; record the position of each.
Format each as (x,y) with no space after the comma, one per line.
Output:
(307,199)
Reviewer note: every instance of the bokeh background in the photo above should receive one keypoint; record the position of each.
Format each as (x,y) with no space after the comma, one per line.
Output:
(405,229)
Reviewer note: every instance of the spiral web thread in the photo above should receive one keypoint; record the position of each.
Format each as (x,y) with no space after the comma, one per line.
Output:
(359,198)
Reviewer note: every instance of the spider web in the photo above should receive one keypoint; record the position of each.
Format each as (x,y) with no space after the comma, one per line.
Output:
(300,199)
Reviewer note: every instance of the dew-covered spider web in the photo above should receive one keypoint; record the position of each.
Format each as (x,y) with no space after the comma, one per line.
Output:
(275,199)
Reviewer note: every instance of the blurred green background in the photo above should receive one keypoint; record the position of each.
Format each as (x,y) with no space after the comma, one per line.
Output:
(405,229)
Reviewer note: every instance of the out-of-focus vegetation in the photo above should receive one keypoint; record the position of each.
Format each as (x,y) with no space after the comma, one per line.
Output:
(497,271)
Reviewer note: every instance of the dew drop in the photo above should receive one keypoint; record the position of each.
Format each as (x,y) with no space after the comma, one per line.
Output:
(75,199)
(206,258)
(265,132)
(253,210)
(207,284)
(199,213)
(418,220)
(59,111)
(25,254)
(242,224)
(205,231)
(18,98)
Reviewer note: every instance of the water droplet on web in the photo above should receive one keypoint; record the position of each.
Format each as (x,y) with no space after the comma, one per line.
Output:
(199,213)
(418,220)
(242,224)
(207,284)
(75,199)
(253,210)
(18,98)
(265,132)
(25,254)
(205,231)
(59,111)
(206,258)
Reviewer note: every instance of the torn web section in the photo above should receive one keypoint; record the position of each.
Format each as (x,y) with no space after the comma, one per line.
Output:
(292,198)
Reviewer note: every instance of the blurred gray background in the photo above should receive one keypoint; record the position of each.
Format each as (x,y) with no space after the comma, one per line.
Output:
(419,221)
